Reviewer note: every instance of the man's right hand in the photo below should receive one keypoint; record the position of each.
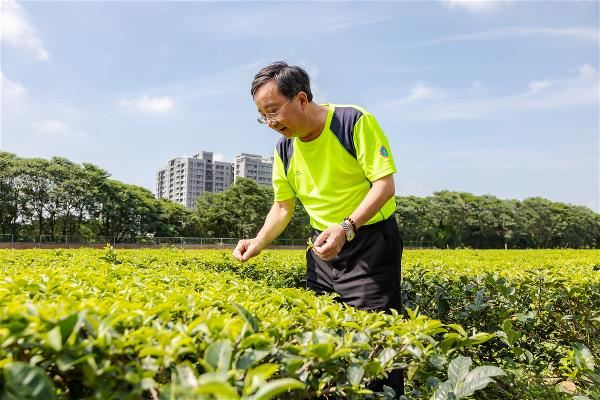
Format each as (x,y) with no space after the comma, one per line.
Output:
(247,248)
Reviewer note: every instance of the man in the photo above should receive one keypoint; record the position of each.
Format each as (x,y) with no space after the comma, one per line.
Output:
(336,160)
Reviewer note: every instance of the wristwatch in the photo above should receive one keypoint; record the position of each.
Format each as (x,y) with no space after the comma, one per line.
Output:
(348,230)
(352,222)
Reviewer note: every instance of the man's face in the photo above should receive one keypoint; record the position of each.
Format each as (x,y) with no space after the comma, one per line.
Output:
(269,100)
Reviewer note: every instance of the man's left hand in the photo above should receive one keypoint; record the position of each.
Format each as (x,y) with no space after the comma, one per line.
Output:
(330,242)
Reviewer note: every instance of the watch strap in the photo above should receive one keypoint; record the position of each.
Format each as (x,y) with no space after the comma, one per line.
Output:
(352,223)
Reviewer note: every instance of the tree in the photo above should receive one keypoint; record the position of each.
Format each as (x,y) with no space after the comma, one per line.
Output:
(36,177)
(237,212)
(175,220)
(11,196)
(128,211)
(240,212)
(456,219)
(59,197)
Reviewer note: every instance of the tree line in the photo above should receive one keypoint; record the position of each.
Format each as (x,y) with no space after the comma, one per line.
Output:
(58,197)
(456,219)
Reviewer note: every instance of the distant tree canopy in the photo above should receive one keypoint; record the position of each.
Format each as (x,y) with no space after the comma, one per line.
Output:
(58,197)
(240,211)
(455,219)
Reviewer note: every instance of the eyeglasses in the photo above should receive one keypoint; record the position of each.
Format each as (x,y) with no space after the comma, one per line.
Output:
(264,119)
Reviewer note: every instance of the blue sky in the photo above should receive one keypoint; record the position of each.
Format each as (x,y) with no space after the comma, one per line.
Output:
(493,98)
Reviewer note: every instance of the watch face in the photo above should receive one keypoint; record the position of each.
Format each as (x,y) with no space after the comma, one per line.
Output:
(349,235)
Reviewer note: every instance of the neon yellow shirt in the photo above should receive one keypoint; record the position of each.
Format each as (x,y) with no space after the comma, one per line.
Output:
(332,174)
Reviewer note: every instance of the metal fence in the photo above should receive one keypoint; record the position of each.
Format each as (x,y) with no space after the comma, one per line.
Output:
(159,241)
(141,240)
(408,244)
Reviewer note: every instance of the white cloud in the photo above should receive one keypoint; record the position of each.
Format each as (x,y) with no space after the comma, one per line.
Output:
(50,127)
(476,88)
(66,110)
(536,86)
(275,20)
(577,33)
(419,92)
(57,128)
(475,6)
(149,104)
(587,73)
(221,83)
(11,88)
(344,23)
(580,89)
(17,31)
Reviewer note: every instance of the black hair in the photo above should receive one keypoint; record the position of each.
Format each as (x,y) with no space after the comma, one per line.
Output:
(290,79)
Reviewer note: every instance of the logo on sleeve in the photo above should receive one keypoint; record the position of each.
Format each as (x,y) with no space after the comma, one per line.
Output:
(383,152)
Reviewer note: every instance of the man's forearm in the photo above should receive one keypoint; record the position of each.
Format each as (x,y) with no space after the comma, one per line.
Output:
(380,193)
(278,218)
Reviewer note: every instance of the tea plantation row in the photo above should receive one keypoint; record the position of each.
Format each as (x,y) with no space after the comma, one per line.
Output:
(177,324)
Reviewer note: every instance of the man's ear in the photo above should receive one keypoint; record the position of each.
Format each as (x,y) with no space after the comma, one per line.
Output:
(303,99)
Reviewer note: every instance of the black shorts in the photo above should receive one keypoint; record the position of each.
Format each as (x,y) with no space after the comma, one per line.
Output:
(366,272)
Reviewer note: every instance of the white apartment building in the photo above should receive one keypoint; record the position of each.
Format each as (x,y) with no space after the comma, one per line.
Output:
(255,167)
(185,178)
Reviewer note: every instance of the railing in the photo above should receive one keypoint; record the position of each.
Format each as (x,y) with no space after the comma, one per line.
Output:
(142,240)
(161,241)
(408,244)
